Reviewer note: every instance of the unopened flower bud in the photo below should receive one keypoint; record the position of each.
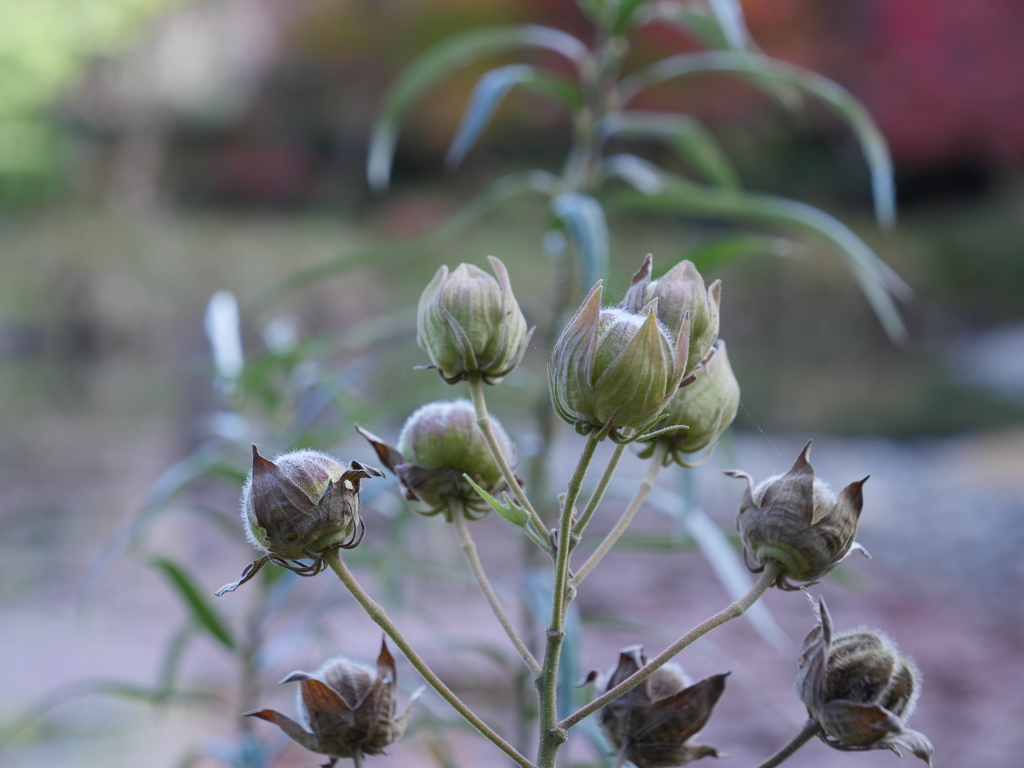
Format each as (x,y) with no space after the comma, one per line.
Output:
(859,688)
(795,521)
(437,444)
(651,725)
(704,407)
(298,506)
(468,323)
(680,292)
(615,370)
(345,707)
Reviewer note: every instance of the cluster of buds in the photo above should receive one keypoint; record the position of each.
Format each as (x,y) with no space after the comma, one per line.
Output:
(346,708)
(795,521)
(859,689)
(298,507)
(438,444)
(470,324)
(652,724)
(653,360)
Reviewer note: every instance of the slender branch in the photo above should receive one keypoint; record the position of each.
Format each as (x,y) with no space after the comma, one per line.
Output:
(551,736)
(473,559)
(376,612)
(483,420)
(771,572)
(357,758)
(620,761)
(602,486)
(809,731)
(627,516)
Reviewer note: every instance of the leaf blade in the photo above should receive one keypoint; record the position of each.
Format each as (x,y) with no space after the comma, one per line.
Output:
(202,610)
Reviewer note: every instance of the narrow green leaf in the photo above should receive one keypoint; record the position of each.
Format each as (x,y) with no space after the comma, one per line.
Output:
(202,609)
(583,219)
(492,88)
(682,133)
(841,101)
(625,17)
(722,250)
(730,18)
(515,515)
(876,279)
(387,256)
(434,65)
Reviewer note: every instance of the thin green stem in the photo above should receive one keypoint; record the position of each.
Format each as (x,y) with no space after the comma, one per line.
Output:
(615,533)
(473,559)
(599,491)
(809,731)
(768,577)
(377,613)
(551,736)
(483,420)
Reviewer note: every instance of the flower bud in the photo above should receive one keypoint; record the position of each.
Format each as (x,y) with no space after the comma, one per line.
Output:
(680,292)
(299,506)
(615,370)
(859,688)
(468,322)
(651,724)
(345,707)
(704,407)
(797,522)
(437,444)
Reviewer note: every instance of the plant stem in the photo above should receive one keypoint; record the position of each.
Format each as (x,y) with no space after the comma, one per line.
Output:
(473,559)
(602,486)
(809,731)
(771,572)
(357,758)
(552,736)
(483,420)
(615,533)
(377,613)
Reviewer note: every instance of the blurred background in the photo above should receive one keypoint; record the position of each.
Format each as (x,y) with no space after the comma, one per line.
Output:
(154,152)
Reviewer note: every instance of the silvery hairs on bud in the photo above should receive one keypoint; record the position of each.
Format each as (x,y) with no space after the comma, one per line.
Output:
(859,688)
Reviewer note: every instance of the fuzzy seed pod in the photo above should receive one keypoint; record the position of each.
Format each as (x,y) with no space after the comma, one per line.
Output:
(680,293)
(345,707)
(298,506)
(468,322)
(652,724)
(797,522)
(704,407)
(859,688)
(616,370)
(439,443)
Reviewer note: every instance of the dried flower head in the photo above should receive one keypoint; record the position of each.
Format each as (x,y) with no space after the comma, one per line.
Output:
(438,444)
(680,293)
(345,707)
(797,522)
(702,408)
(859,689)
(468,322)
(615,371)
(299,506)
(652,724)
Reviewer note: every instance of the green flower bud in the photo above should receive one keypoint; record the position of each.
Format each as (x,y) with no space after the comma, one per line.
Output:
(859,689)
(468,323)
(614,370)
(797,522)
(437,444)
(651,725)
(298,506)
(705,406)
(680,292)
(345,707)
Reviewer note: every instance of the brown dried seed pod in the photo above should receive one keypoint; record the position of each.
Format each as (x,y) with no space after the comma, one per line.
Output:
(797,522)
(859,688)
